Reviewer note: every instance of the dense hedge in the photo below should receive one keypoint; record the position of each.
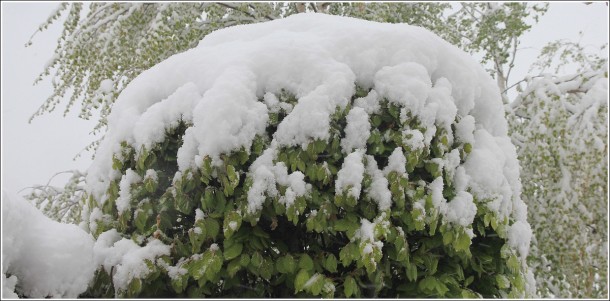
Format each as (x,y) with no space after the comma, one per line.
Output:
(318,246)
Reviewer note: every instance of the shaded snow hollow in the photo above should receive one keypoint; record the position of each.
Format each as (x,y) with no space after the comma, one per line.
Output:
(219,88)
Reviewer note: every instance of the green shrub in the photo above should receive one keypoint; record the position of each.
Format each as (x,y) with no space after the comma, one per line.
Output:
(324,243)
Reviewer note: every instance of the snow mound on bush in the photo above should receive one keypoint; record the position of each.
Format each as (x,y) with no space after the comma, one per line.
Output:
(317,57)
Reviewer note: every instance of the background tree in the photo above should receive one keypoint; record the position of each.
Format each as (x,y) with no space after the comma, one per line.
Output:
(560,125)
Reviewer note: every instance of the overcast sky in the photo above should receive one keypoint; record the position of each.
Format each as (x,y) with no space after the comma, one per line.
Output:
(32,153)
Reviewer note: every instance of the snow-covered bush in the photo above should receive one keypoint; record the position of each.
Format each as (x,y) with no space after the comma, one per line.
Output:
(310,156)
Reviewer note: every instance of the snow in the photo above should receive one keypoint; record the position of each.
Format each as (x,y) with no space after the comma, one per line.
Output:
(227,117)
(265,175)
(295,182)
(493,170)
(368,248)
(214,247)
(126,258)
(105,85)
(35,249)
(95,216)
(152,175)
(174,272)
(460,179)
(199,215)
(150,127)
(366,232)
(223,80)
(130,178)
(312,280)
(450,162)
(132,263)
(519,237)
(8,287)
(436,188)
(370,103)
(273,104)
(357,131)
(406,85)
(378,190)
(442,104)
(461,209)
(396,162)
(413,139)
(329,287)
(233,225)
(262,171)
(464,129)
(350,175)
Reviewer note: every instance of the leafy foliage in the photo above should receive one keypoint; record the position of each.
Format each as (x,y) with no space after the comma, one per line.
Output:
(62,204)
(560,126)
(316,246)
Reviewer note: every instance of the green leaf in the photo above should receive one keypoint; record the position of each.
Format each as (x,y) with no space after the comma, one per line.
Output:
(207,199)
(350,287)
(179,283)
(412,272)
(206,169)
(502,281)
(231,174)
(300,280)
(150,185)
(331,263)
(513,264)
(462,242)
(468,281)
(233,251)
(441,288)
(184,203)
(256,260)
(231,223)
(321,173)
(286,264)
(447,237)
(212,227)
(135,287)
(244,260)
(428,284)
(140,220)
(467,148)
(306,262)
(214,266)
(316,287)
(196,239)
(197,267)
(233,267)
(320,145)
(494,223)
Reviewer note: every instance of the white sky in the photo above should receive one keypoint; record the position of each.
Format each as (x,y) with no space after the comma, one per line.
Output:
(32,153)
